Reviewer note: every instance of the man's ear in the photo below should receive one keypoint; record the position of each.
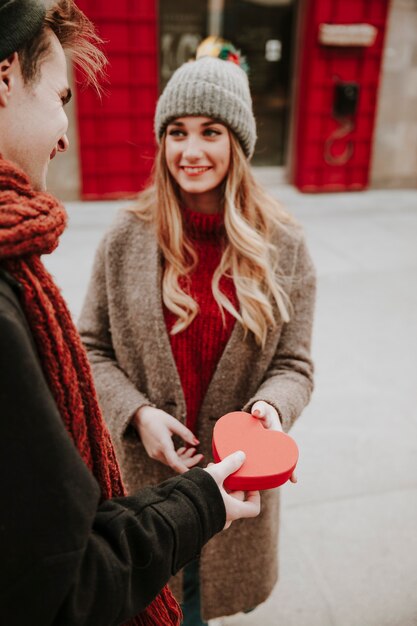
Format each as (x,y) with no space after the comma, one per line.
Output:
(7,68)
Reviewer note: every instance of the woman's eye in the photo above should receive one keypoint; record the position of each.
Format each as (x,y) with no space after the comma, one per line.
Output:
(176,133)
(211,132)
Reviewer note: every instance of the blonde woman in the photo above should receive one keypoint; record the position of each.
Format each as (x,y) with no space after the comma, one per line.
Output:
(200,303)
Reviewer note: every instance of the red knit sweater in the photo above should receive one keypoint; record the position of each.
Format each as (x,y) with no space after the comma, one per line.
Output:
(197,350)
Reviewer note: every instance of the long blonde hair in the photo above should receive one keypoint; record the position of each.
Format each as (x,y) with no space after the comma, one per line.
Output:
(251,257)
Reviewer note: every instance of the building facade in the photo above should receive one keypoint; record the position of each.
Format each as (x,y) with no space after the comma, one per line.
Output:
(334,86)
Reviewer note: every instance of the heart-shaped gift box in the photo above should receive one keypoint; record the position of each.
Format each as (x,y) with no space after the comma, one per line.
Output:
(271,456)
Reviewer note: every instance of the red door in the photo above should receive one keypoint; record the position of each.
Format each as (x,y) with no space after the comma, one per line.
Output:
(116,133)
(338,77)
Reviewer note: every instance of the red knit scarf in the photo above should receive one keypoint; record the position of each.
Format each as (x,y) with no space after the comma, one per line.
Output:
(30,225)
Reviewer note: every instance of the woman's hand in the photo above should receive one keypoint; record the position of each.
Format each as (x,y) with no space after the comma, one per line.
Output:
(269,418)
(237,503)
(155,429)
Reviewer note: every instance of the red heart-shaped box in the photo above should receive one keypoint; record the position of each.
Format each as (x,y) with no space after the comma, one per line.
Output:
(271,456)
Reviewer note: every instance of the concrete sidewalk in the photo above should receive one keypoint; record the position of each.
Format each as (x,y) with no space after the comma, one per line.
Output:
(349,527)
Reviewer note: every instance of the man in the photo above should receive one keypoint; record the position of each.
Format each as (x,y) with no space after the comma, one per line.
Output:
(74,549)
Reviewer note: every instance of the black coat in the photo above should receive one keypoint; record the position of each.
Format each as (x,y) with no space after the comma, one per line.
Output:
(65,559)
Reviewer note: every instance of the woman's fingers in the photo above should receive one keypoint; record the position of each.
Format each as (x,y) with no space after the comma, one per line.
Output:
(183,432)
(267,414)
(186,453)
(156,428)
(260,411)
(194,460)
(259,408)
(173,460)
(189,457)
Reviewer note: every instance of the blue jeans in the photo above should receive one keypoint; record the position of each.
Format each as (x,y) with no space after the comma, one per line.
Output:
(191,603)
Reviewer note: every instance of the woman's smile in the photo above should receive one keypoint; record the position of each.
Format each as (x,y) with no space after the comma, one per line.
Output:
(195,170)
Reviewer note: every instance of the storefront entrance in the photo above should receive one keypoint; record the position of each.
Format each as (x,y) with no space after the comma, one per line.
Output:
(263,30)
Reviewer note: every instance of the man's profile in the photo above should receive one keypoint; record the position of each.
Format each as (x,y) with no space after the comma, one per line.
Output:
(74,549)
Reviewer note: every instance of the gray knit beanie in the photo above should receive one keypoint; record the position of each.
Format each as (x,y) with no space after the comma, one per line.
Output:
(20,20)
(214,88)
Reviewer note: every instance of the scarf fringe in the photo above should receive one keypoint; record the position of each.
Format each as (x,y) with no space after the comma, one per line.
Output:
(160,613)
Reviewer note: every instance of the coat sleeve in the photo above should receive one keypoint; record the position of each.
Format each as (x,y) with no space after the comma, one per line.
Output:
(114,388)
(66,558)
(288,382)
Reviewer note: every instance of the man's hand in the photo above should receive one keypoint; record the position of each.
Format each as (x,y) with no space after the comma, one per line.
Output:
(269,418)
(155,429)
(238,504)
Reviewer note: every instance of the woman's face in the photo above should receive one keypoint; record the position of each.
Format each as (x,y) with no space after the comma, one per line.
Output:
(197,151)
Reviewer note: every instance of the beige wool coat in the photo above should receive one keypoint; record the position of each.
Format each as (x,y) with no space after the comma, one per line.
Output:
(122,326)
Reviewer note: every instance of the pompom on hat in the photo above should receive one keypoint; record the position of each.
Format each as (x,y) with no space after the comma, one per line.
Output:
(20,20)
(215,85)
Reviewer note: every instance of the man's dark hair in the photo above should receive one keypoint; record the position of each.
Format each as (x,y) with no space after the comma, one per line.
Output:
(76,34)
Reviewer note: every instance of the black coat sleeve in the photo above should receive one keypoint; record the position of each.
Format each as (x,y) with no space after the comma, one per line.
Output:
(65,559)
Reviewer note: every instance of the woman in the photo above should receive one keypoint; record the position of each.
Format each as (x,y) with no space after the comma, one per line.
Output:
(201,303)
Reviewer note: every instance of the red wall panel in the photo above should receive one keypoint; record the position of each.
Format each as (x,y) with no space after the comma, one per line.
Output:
(320,68)
(116,137)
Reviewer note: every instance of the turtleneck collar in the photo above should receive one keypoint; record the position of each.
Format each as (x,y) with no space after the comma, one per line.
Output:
(202,225)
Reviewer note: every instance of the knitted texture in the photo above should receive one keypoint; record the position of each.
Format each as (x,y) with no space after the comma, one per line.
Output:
(19,22)
(214,88)
(197,349)
(30,224)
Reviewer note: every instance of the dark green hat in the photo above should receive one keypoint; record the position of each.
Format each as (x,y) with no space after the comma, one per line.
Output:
(20,20)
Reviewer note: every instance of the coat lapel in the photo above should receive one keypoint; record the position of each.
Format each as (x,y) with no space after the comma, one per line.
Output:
(237,369)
